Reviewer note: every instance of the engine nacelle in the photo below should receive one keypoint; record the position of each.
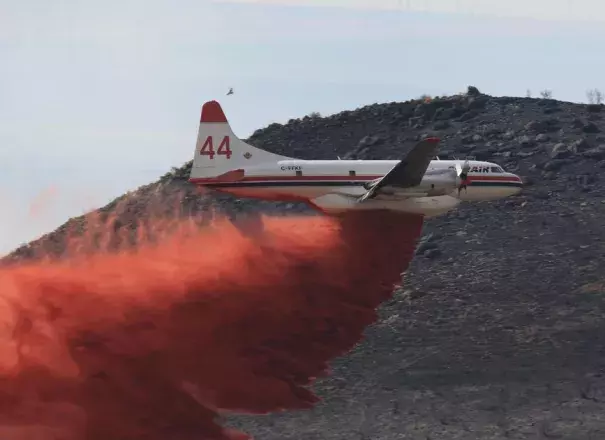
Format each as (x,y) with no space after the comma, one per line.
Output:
(436,185)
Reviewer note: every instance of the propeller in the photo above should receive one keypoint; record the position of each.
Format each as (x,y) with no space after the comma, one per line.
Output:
(462,172)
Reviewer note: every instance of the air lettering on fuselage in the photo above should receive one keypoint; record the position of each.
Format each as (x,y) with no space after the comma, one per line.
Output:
(480,169)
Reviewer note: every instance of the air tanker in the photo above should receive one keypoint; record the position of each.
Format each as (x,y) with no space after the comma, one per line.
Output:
(419,183)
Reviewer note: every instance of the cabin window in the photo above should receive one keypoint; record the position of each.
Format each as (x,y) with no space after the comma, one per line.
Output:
(497,170)
(352,173)
(299,173)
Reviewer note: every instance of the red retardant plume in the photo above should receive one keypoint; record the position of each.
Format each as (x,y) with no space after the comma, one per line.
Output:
(152,344)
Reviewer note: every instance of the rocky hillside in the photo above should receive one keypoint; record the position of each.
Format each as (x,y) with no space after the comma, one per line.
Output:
(500,333)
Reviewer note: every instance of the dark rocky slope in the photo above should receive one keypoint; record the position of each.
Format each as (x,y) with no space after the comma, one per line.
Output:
(500,332)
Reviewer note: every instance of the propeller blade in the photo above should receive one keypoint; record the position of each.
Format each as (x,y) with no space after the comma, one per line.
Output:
(465,168)
(463,174)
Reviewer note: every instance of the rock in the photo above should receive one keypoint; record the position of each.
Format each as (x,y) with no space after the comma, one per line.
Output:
(579,145)
(555,164)
(417,294)
(441,125)
(551,125)
(560,151)
(425,246)
(597,153)
(416,121)
(432,253)
(431,236)
(537,126)
(466,139)
(472,91)
(477,102)
(413,294)
(491,130)
(427,110)
(526,141)
(471,114)
(368,141)
(591,127)
(509,135)
(444,114)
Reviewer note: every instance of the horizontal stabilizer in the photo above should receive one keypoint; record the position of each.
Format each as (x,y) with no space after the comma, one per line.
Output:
(231,176)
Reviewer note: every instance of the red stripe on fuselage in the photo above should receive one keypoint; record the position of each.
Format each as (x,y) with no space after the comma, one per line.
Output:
(210,180)
(205,180)
(511,178)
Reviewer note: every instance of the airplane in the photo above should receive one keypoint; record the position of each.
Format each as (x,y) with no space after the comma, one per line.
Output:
(230,92)
(417,184)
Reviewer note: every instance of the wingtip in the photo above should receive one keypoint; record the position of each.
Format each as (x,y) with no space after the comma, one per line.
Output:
(432,140)
(212,112)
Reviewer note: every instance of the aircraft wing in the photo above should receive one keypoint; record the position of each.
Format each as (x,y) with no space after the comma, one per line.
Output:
(409,171)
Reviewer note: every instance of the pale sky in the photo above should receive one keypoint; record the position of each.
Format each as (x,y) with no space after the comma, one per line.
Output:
(97,98)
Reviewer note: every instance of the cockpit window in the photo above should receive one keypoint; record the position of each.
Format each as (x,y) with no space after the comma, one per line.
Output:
(497,170)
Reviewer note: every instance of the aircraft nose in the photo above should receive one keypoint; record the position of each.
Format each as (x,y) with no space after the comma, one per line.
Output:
(517,181)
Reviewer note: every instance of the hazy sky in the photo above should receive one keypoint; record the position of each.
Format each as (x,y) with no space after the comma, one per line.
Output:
(100,97)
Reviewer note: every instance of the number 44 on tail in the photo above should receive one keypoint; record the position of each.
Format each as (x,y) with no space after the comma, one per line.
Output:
(224,148)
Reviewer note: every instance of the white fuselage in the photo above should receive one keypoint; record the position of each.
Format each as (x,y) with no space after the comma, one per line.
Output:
(302,180)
